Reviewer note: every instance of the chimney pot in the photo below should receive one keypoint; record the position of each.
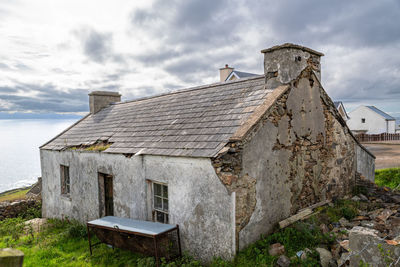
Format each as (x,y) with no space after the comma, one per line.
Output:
(101,99)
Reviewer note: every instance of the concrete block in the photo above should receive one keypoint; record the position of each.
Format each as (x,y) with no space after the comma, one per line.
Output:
(10,257)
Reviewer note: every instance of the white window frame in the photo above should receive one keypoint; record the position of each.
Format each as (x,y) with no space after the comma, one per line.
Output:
(65,180)
(164,199)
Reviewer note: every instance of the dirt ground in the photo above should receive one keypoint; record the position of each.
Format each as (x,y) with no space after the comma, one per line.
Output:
(387,153)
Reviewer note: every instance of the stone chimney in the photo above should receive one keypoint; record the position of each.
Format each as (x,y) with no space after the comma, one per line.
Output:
(101,99)
(284,63)
(224,73)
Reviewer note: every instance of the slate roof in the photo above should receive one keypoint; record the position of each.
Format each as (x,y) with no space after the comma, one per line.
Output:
(337,103)
(380,112)
(196,122)
(242,74)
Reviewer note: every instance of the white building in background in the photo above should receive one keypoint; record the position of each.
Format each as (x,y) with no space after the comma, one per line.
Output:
(342,111)
(371,120)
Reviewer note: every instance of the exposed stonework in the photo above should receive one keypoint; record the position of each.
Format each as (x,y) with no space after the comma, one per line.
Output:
(228,167)
(315,153)
(16,208)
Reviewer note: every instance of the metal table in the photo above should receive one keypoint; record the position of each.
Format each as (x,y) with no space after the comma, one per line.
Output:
(129,234)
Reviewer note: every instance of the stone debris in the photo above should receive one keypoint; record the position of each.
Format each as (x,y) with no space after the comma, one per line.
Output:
(374,234)
(36,225)
(276,249)
(283,261)
(371,238)
(345,244)
(325,256)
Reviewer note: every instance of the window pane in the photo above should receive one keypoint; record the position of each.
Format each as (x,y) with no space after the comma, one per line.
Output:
(166,218)
(165,206)
(159,217)
(157,202)
(157,189)
(165,191)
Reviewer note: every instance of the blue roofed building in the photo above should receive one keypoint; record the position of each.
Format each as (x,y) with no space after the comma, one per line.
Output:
(371,120)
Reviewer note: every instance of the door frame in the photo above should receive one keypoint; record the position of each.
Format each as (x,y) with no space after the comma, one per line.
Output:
(103,211)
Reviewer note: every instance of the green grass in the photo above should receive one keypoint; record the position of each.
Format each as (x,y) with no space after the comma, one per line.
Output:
(65,244)
(388,177)
(62,244)
(13,195)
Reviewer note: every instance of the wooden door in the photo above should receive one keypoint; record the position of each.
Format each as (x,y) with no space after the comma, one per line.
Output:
(106,195)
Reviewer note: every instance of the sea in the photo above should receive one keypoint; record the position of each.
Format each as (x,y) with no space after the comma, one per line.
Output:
(20,140)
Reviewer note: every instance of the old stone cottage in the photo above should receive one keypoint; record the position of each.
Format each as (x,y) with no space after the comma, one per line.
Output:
(225,161)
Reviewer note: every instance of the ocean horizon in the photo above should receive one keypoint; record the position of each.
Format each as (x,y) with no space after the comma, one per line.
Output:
(19,149)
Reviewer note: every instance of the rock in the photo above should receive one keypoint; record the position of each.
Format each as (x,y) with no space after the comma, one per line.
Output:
(324,229)
(384,215)
(343,259)
(345,222)
(375,213)
(367,247)
(11,257)
(325,256)
(360,218)
(335,250)
(283,261)
(368,224)
(37,225)
(276,249)
(395,198)
(345,244)
(332,263)
(362,197)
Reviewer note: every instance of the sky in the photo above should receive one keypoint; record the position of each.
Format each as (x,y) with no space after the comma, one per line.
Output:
(53,53)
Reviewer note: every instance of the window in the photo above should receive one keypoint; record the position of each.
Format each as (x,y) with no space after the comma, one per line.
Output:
(160,203)
(363,120)
(65,181)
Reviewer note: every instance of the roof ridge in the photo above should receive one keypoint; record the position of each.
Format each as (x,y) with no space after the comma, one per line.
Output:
(184,90)
(377,110)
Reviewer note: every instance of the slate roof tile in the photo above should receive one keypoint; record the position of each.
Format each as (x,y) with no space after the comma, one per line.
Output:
(195,122)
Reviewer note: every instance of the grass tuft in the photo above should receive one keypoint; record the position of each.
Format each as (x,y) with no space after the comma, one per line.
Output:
(388,177)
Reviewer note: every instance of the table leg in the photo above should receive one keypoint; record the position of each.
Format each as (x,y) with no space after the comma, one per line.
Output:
(90,244)
(179,241)
(156,251)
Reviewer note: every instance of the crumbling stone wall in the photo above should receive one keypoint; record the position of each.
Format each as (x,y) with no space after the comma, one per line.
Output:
(297,154)
(16,208)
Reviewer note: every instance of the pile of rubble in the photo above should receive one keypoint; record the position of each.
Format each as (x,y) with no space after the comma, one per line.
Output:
(372,238)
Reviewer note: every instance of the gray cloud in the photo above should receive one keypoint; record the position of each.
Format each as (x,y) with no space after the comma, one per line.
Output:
(97,46)
(47,99)
(191,31)
(190,40)
(187,28)
(4,66)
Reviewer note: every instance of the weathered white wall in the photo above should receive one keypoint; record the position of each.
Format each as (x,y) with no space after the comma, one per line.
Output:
(374,123)
(365,163)
(198,201)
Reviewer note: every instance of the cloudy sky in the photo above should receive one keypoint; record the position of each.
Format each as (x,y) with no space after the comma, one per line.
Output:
(53,53)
